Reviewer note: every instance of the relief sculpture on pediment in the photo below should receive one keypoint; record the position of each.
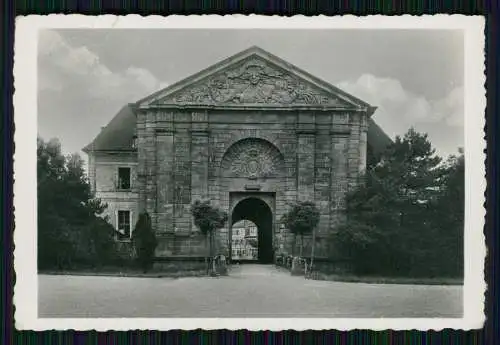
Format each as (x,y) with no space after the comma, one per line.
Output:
(254,81)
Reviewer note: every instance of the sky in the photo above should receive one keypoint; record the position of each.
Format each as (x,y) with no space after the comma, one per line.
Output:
(414,77)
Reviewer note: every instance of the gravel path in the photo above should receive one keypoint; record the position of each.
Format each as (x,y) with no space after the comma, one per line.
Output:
(249,291)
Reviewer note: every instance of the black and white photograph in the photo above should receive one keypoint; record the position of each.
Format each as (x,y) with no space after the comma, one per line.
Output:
(249,173)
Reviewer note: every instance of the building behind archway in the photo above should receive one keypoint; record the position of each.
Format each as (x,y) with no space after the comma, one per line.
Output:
(251,125)
(245,241)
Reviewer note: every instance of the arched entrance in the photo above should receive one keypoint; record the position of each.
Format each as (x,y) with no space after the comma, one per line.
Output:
(257,211)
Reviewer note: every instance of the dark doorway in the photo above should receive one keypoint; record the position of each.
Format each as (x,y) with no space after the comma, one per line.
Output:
(258,212)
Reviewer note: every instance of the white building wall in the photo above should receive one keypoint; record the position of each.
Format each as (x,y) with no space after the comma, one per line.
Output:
(103,175)
(242,232)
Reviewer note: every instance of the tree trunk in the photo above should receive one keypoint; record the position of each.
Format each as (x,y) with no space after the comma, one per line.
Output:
(301,244)
(313,245)
(212,245)
(207,253)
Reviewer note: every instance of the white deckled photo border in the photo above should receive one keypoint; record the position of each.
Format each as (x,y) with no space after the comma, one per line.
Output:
(25,186)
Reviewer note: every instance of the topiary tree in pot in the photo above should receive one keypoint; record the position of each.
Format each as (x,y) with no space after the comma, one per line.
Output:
(301,219)
(144,241)
(208,218)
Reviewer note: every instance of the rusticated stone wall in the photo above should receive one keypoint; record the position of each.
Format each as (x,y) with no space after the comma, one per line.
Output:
(186,155)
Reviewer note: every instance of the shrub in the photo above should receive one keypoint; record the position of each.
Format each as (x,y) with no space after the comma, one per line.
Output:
(144,241)
(301,219)
(208,219)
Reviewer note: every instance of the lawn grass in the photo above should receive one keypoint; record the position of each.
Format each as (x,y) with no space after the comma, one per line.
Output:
(129,272)
(348,278)
(181,273)
(351,278)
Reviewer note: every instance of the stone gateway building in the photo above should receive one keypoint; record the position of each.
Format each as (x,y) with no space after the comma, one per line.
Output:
(252,133)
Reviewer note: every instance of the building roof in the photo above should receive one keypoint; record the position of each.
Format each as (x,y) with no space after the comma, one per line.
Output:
(118,134)
(377,138)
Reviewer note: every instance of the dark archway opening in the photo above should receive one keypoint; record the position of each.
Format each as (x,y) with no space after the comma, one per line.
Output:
(258,212)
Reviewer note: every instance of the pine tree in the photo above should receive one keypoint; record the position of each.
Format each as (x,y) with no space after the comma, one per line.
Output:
(449,211)
(389,225)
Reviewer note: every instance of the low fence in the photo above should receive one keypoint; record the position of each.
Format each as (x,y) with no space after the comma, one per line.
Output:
(302,266)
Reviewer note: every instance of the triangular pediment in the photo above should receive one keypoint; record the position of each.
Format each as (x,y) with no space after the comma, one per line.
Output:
(252,78)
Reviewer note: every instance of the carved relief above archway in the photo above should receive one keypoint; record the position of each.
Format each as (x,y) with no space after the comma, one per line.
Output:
(252,158)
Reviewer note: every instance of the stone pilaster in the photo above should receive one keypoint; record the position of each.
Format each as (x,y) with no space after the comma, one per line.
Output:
(150,171)
(305,156)
(340,133)
(199,156)
(182,173)
(165,168)
(322,178)
(353,149)
(141,159)
(363,143)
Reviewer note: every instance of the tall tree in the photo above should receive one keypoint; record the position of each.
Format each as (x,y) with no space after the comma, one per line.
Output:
(390,215)
(54,245)
(70,229)
(208,218)
(449,211)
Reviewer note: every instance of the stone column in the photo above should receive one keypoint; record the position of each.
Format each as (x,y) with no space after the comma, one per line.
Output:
(306,145)
(165,167)
(363,143)
(141,159)
(288,138)
(322,180)
(199,156)
(150,171)
(182,178)
(305,156)
(200,153)
(340,132)
(353,154)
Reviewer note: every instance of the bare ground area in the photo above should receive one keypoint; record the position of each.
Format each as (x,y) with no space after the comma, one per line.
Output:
(249,291)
